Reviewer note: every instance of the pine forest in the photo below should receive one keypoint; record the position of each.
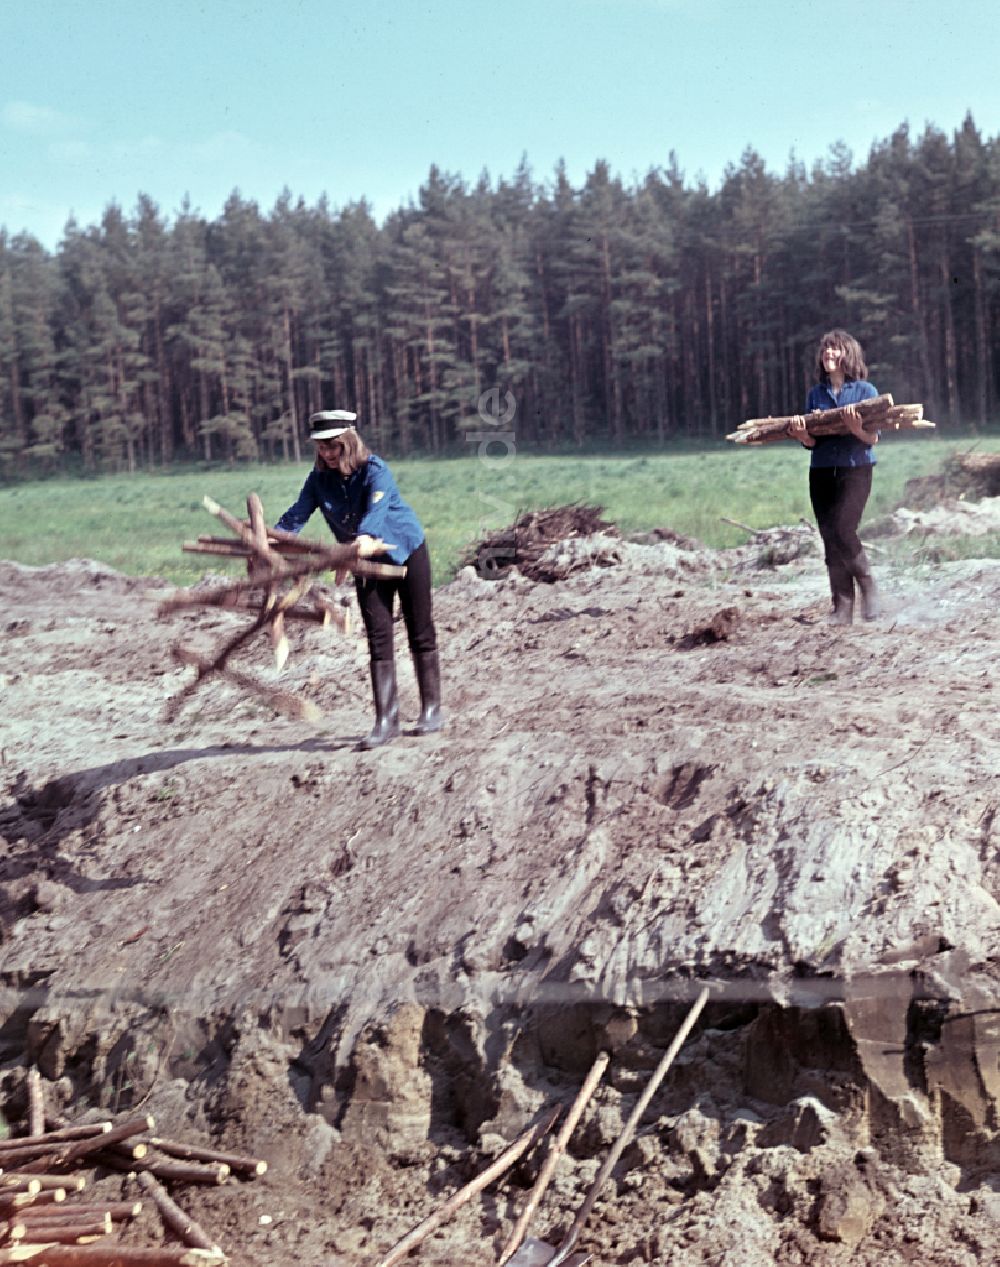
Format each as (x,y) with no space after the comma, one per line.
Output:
(613,313)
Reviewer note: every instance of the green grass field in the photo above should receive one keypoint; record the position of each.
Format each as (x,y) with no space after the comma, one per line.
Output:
(137,523)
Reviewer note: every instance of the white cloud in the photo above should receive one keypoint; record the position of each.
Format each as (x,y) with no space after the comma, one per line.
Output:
(23,116)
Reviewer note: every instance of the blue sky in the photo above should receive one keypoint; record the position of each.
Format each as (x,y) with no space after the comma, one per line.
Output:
(102,100)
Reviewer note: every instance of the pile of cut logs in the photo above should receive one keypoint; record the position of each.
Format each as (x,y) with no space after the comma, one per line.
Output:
(280,587)
(45,1221)
(877,414)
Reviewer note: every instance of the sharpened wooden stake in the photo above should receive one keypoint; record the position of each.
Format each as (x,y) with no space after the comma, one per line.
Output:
(481,1181)
(555,1152)
(279,643)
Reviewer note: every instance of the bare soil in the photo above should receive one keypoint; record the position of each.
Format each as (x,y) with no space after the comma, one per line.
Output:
(374,969)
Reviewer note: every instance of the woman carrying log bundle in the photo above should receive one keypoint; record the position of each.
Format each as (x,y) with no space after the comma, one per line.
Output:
(840,473)
(361,503)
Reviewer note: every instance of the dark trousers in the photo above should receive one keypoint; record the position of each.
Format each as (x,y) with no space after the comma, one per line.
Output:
(376,597)
(838,495)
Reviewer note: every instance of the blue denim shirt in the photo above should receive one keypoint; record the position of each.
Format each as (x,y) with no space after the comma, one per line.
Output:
(841,450)
(366,503)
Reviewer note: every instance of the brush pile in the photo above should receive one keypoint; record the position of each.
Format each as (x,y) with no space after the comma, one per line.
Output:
(524,543)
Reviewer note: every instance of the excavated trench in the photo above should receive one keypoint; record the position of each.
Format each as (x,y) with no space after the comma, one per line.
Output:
(818,1125)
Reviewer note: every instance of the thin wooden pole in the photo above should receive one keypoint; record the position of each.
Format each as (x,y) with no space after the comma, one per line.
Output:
(566,1248)
(555,1152)
(463,1195)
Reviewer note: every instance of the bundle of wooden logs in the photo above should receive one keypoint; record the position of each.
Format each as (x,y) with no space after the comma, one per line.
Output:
(45,1221)
(877,414)
(280,587)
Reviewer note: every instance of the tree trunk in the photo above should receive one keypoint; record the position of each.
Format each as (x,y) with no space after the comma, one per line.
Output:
(982,347)
(923,346)
(950,350)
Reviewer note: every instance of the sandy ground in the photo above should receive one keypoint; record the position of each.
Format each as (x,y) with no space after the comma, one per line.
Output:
(372,968)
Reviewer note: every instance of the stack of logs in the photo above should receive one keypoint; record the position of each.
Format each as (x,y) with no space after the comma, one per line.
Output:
(280,587)
(877,414)
(46,1222)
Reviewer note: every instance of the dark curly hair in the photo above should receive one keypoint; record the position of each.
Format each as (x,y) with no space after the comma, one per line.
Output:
(853,362)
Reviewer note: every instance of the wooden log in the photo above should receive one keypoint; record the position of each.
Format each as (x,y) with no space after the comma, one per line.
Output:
(208,665)
(56,1135)
(70,1211)
(237,1162)
(36,1103)
(111,1256)
(171,1171)
(186,598)
(223,550)
(555,1152)
(879,413)
(74,1151)
(12,1181)
(13,1151)
(246,535)
(286,702)
(279,642)
(65,1231)
(17,1201)
(471,1189)
(174,1218)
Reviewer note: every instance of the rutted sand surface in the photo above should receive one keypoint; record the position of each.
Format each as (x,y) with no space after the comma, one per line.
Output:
(660,770)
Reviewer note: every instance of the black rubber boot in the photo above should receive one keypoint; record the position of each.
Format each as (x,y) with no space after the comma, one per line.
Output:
(862,572)
(386,705)
(428,672)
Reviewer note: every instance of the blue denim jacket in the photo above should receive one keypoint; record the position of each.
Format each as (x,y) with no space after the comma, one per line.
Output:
(366,503)
(841,450)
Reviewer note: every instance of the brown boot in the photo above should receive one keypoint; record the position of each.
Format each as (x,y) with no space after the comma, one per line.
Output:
(862,572)
(843,610)
(842,589)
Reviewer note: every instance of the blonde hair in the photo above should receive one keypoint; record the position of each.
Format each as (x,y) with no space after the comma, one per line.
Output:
(353,454)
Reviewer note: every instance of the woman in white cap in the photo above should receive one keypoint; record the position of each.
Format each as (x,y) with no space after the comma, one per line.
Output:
(360,502)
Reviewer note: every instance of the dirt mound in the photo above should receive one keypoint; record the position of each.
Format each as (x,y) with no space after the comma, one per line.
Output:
(374,969)
(968,476)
